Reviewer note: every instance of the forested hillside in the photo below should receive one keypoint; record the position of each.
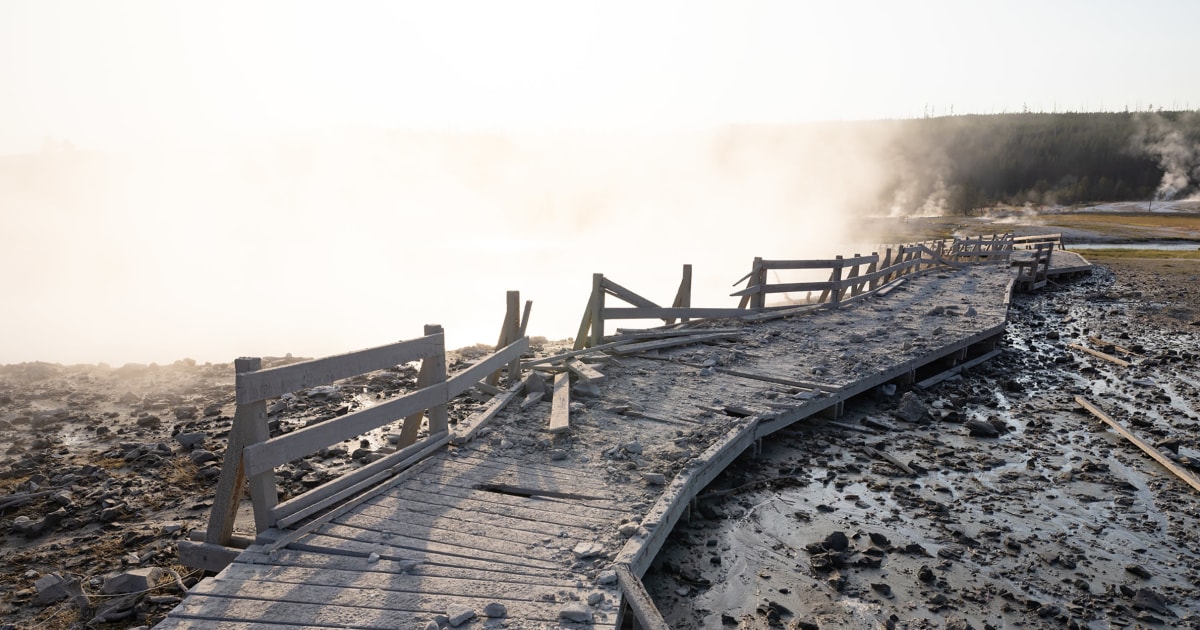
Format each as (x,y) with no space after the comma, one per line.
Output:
(1048,158)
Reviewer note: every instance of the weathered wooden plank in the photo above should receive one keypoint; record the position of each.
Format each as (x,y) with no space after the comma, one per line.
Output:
(669,343)
(560,410)
(551,509)
(467,470)
(277,451)
(584,371)
(1096,353)
(780,381)
(289,606)
(938,378)
(293,511)
(466,379)
(174,623)
(828,263)
(206,556)
(481,584)
(331,565)
(275,382)
(639,600)
(447,542)
(575,353)
(422,525)
(789,287)
(499,462)
(465,520)
(627,295)
(466,429)
(670,313)
(1185,475)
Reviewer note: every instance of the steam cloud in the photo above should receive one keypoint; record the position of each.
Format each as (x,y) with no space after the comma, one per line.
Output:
(1179,158)
(325,243)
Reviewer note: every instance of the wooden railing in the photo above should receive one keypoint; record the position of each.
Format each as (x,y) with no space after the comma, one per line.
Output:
(996,248)
(849,279)
(1029,242)
(252,454)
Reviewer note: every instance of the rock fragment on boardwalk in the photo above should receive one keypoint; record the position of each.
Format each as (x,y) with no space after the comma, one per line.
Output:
(576,612)
(495,610)
(458,614)
(585,550)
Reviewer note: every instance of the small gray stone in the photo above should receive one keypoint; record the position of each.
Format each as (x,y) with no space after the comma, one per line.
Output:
(432,625)
(633,447)
(584,389)
(557,454)
(576,612)
(494,610)
(856,338)
(199,456)
(134,581)
(606,577)
(595,598)
(587,550)
(191,440)
(628,529)
(654,479)
(458,615)
(51,588)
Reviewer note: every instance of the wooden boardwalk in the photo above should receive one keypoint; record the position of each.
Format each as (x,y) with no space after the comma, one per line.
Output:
(555,529)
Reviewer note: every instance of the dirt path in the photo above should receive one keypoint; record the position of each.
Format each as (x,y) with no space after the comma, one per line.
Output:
(1053,522)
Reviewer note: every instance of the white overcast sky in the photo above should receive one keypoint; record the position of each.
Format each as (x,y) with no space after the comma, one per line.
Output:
(118,73)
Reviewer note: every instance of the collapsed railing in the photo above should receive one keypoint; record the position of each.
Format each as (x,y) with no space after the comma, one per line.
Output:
(850,279)
(252,454)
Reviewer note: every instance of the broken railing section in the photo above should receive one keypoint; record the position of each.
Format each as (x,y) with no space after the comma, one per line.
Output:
(252,454)
(591,328)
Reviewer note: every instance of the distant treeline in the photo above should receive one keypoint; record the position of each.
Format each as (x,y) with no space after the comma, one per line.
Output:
(1070,158)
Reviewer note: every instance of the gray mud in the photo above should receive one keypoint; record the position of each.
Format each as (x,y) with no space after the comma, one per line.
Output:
(1054,522)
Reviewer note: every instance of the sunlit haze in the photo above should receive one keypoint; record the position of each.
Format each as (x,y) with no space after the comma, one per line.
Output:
(218,179)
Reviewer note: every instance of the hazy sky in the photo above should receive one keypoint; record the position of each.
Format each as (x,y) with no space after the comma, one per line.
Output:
(107,74)
(244,200)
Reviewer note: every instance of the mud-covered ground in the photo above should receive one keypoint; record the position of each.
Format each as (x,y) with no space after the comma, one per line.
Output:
(1052,522)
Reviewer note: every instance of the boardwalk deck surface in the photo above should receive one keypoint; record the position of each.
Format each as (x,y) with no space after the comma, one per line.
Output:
(534,521)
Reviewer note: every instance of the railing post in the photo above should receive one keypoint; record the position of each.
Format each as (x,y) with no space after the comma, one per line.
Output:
(250,422)
(597,306)
(836,278)
(871,269)
(758,277)
(230,484)
(683,297)
(854,290)
(513,332)
(434,368)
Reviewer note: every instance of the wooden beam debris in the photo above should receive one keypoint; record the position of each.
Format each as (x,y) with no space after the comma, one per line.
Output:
(1096,353)
(560,405)
(677,341)
(583,371)
(1180,472)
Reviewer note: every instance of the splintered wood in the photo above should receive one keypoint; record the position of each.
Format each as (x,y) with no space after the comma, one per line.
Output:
(561,404)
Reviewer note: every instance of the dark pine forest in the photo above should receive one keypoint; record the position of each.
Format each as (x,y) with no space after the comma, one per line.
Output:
(1067,158)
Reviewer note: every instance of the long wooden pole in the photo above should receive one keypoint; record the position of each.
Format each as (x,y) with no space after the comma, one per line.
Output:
(1149,450)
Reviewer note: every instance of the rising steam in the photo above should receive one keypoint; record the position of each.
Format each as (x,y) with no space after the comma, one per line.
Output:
(1178,156)
(320,244)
